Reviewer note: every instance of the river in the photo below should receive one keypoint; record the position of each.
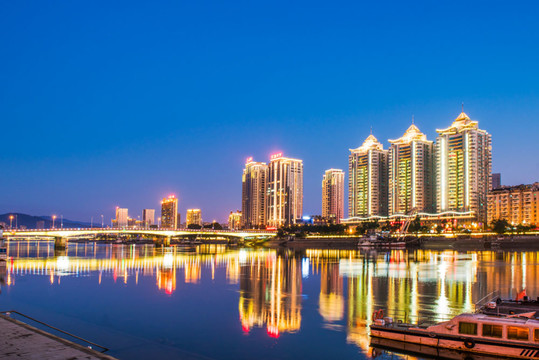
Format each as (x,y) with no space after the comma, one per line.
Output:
(213,302)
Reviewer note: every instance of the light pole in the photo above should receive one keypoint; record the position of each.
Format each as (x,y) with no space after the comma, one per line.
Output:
(11,221)
(102,223)
(62,221)
(91,222)
(53,218)
(159,222)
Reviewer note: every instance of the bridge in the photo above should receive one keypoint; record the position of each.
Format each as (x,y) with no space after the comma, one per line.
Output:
(160,236)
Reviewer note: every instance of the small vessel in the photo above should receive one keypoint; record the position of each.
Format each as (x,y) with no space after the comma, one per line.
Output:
(503,336)
(380,241)
(3,247)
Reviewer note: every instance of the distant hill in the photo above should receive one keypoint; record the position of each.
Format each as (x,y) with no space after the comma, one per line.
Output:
(31,222)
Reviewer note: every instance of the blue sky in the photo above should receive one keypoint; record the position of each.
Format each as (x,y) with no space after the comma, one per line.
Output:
(122,103)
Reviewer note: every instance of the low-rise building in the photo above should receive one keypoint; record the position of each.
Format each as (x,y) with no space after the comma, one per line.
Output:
(516,204)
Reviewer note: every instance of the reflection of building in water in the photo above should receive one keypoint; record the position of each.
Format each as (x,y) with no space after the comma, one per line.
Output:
(360,305)
(126,263)
(3,272)
(192,270)
(331,302)
(270,294)
(166,280)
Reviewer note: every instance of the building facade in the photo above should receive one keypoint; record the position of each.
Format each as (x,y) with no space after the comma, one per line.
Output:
(463,168)
(148,217)
(193,216)
(234,220)
(411,173)
(496,181)
(253,201)
(516,204)
(169,212)
(121,217)
(284,193)
(367,179)
(333,195)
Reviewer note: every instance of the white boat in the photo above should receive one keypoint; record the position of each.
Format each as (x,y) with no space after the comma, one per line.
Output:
(502,336)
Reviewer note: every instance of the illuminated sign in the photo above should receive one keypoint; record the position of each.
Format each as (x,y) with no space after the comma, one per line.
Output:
(249,159)
(276,156)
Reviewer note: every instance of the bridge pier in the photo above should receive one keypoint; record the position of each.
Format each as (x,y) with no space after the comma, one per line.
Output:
(60,243)
(162,240)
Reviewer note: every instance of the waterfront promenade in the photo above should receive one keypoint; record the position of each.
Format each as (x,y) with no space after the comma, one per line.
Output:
(22,341)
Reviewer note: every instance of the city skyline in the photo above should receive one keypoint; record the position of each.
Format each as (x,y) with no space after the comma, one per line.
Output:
(105,121)
(371,142)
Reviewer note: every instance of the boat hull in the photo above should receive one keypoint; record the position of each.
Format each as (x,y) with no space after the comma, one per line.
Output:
(425,351)
(465,344)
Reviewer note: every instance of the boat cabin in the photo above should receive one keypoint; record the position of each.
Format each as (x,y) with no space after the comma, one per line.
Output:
(510,328)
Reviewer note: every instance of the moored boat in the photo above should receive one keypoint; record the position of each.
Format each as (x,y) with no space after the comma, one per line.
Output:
(3,247)
(509,336)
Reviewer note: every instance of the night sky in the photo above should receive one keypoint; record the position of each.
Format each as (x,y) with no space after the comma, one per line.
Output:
(121,103)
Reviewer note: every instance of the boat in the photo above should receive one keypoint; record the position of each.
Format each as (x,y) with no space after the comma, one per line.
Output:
(380,241)
(3,247)
(521,304)
(502,336)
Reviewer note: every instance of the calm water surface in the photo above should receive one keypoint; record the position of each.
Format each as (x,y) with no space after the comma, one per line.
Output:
(212,302)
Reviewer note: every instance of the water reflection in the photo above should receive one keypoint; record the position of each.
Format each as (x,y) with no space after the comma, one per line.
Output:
(410,285)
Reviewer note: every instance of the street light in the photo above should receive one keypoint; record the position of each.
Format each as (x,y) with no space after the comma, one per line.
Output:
(53,218)
(159,222)
(11,221)
(102,223)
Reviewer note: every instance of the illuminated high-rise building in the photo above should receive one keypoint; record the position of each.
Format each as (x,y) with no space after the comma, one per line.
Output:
(411,173)
(367,179)
(148,217)
(193,216)
(253,199)
(284,195)
(463,168)
(121,217)
(234,220)
(169,212)
(333,195)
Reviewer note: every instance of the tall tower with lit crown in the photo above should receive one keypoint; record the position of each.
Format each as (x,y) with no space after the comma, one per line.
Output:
(411,173)
(284,194)
(253,198)
(169,212)
(367,181)
(463,168)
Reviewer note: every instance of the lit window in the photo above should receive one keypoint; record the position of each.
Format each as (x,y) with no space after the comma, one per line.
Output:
(517,333)
(467,328)
(492,330)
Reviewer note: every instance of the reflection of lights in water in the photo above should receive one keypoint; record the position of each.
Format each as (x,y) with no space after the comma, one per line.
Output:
(242,256)
(62,264)
(168,261)
(305,268)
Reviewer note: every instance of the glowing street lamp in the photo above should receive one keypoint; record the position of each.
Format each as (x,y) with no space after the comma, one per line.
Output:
(53,218)
(11,221)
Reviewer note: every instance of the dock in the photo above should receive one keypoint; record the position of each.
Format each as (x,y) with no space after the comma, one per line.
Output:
(22,341)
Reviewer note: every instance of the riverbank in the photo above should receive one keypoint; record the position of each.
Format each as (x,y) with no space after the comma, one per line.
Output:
(515,242)
(22,341)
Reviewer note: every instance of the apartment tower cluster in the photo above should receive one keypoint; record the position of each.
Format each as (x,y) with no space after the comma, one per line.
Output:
(416,175)
(272,194)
